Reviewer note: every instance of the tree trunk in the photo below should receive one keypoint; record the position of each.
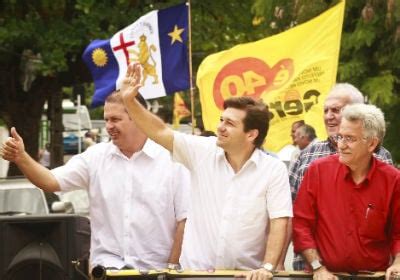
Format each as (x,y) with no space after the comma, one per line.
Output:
(56,129)
(28,130)
(24,112)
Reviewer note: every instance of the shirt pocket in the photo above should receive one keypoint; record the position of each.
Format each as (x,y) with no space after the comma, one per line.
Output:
(373,224)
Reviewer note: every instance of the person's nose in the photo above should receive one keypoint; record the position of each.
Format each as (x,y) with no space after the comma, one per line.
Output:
(109,125)
(329,115)
(341,144)
(221,127)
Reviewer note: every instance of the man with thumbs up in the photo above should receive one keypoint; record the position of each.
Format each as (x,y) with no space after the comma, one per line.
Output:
(137,209)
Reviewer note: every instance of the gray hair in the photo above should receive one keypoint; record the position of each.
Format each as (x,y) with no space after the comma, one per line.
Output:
(308,131)
(372,118)
(345,89)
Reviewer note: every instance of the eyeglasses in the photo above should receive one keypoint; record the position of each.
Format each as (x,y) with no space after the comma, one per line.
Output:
(347,139)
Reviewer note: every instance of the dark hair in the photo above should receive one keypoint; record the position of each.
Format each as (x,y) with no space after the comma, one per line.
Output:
(207,133)
(299,123)
(257,116)
(115,97)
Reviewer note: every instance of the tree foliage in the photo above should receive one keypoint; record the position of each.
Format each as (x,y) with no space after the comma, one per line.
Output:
(41,43)
(370,48)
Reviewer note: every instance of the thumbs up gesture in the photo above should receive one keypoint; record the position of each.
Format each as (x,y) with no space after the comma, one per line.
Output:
(13,148)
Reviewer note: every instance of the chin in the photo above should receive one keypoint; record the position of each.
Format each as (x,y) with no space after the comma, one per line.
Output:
(332,131)
(343,159)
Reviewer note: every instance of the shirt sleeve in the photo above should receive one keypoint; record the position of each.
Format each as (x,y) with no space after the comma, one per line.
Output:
(181,181)
(74,175)
(190,149)
(279,202)
(305,212)
(295,176)
(396,218)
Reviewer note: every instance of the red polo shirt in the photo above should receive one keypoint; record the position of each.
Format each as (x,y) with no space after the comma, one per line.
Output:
(354,227)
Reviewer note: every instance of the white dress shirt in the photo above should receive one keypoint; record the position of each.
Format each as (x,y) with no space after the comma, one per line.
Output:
(134,202)
(228,214)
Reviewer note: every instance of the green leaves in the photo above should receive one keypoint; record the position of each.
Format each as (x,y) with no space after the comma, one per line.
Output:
(380,88)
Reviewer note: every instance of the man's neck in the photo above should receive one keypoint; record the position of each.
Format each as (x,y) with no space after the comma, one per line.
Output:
(360,171)
(238,158)
(135,147)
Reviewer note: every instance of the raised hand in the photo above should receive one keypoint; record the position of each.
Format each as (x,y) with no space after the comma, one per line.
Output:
(131,83)
(13,148)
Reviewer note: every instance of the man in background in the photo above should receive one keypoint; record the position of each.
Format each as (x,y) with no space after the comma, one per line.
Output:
(304,136)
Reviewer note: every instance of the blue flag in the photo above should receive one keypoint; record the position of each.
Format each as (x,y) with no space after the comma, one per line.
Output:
(157,40)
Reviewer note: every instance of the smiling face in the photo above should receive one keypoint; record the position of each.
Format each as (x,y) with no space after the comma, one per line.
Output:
(230,130)
(119,125)
(333,113)
(354,148)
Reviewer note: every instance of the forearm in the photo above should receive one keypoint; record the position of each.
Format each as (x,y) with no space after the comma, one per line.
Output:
(310,255)
(281,261)
(396,259)
(39,175)
(177,245)
(149,123)
(276,240)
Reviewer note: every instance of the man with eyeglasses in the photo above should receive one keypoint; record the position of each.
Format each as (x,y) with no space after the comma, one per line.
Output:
(347,212)
(341,94)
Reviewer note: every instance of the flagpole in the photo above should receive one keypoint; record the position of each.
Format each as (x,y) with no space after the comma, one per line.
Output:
(190,66)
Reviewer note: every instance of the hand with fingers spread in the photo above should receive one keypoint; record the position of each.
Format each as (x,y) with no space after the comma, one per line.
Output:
(13,148)
(131,83)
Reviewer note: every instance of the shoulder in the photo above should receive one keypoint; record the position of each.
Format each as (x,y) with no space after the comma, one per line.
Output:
(100,147)
(194,144)
(180,136)
(383,155)
(325,162)
(269,160)
(152,148)
(387,168)
(316,150)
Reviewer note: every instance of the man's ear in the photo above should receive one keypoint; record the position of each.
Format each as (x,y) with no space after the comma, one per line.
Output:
(373,144)
(252,134)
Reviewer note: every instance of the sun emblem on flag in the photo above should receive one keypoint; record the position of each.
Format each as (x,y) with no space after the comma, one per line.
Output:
(99,57)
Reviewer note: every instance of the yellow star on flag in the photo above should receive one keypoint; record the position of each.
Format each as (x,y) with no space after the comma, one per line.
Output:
(176,34)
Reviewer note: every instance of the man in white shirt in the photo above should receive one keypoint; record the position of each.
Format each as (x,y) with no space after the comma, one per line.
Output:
(237,190)
(137,194)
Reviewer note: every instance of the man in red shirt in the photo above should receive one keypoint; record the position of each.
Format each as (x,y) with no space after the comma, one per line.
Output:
(347,213)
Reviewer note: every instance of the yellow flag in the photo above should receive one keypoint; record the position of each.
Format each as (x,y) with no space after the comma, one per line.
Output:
(291,71)
(180,110)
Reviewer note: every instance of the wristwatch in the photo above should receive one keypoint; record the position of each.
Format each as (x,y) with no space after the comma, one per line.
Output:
(269,267)
(173,266)
(316,264)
